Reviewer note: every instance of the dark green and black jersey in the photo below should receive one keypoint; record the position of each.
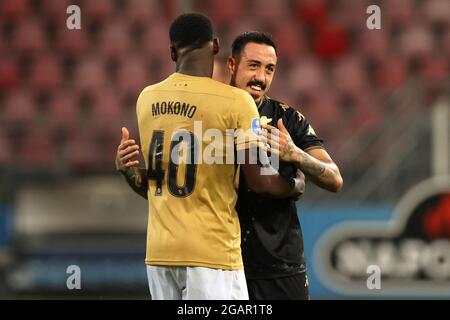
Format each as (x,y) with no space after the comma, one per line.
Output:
(272,241)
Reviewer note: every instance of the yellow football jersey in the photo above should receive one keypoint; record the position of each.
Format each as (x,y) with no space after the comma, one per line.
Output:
(187,128)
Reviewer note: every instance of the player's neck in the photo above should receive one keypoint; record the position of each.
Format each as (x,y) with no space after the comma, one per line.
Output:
(198,63)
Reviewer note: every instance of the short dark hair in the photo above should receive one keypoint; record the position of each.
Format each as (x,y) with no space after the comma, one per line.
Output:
(190,30)
(250,37)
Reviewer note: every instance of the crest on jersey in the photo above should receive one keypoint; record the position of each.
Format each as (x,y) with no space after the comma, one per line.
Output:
(311,131)
(256,125)
(264,120)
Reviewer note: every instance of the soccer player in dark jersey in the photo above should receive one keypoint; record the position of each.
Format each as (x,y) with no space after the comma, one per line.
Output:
(272,242)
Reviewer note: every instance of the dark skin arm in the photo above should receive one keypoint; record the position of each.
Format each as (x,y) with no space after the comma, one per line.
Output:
(127,164)
(271,184)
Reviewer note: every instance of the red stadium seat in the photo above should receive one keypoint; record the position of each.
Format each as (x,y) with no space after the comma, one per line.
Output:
(9,73)
(13,10)
(46,73)
(20,107)
(115,41)
(90,75)
(82,154)
(391,74)
(270,12)
(312,13)
(306,77)
(291,43)
(56,11)
(437,11)
(29,37)
(132,76)
(142,11)
(227,12)
(331,41)
(416,42)
(72,42)
(367,112)
(36,150)
(63,110)
(98,9)
(155,44)
(399,13)
(6,154)
(436,69)
(374,44)
(349,76)
(351,14)
(106,106)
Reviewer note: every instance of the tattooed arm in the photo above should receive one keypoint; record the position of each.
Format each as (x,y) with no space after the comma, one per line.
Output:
(316,164)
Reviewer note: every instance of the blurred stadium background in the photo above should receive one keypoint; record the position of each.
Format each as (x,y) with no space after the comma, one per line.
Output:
(371,95)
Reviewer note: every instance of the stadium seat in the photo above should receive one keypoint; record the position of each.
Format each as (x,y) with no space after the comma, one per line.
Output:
(291,41)
(9,73)
(374,44)
(270,12)
(349,76)
(20,107)
(115,41)
(391,74)
(36,150)
(106,106)
(81,152)
(437,11)
(72,43)
(399,13)
(29,38)
(331,41)
(6,154)
(416,42)
(351,14)
(306,77)
(132,76)
(46,73)
(98,9)
(14,10)
(155,44)
(56,11)
(90,75)
(142,11)
(63,109)
(312,13)
(226,12)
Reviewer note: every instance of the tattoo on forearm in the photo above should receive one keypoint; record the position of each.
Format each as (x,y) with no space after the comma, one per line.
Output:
(309,165)
(136,181)
(314,168)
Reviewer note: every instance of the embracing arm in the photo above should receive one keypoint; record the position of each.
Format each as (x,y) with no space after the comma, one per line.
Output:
(316,164)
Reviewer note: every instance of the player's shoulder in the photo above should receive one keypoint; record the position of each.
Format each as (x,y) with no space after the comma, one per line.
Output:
(223,89)
(286,109)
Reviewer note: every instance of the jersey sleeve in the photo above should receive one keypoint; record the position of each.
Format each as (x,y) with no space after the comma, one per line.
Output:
(246,122)
(302,132)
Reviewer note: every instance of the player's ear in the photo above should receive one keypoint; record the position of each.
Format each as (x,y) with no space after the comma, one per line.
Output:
(231,64)
(216,46)
(173,54)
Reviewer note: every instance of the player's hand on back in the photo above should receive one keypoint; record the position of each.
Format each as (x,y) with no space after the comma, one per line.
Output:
(127,152)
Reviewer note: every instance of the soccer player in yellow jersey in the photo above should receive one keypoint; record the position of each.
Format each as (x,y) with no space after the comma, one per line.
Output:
(190,127)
